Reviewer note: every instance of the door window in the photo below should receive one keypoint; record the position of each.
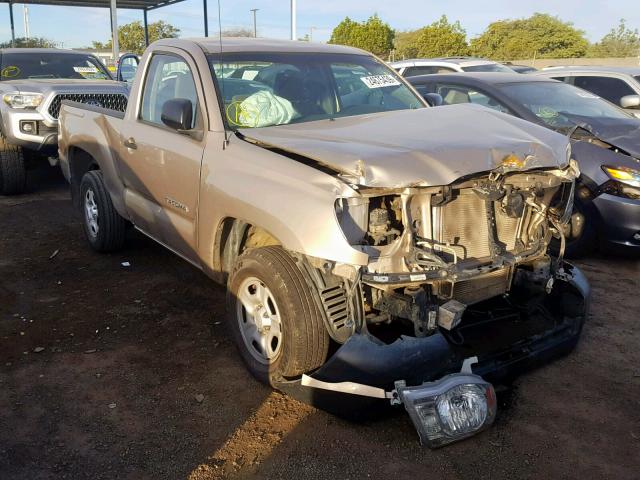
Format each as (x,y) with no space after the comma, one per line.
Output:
(453,94)
(169,77)
(612,89)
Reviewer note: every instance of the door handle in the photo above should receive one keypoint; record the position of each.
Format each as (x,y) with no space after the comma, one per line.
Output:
(130,143)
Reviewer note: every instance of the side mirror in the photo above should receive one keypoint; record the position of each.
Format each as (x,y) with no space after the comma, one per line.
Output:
(630,101)
(177,113)
(433,99)
(127,67)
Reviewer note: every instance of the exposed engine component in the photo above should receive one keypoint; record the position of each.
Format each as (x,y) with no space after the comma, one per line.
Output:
(435,251)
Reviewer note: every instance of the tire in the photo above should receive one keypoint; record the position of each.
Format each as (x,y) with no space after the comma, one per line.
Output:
(587,239)
(294,317)
(13,170)
(103,226)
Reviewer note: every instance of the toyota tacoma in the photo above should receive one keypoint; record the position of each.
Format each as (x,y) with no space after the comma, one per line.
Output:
(33,83)
(375,250)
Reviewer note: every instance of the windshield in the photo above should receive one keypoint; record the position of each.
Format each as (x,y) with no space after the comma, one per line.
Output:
(265,89)
(560,104)
(487,67)
(43,65)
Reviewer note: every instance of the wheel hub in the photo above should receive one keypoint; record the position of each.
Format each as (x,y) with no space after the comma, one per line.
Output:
(91,212)
(259,320)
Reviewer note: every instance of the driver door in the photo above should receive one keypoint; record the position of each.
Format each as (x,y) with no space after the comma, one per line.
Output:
(160,166)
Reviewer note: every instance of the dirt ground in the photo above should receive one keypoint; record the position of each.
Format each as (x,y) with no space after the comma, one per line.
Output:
(112,371)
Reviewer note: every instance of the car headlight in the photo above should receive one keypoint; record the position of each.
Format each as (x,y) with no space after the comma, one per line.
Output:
(23,100)
(625,175)
(450,409)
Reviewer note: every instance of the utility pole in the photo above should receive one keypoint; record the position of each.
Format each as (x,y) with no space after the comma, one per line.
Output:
(311,29)
(255,24)
(25,13)
(294,20)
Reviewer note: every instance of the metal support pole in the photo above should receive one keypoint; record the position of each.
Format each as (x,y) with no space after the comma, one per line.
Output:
(294,20)
(146,28)
(206,18)
(255,23)
(114,32)
(13,27)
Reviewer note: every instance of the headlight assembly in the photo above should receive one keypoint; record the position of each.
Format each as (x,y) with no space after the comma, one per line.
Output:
(625,175)
(450,409)
(23,100)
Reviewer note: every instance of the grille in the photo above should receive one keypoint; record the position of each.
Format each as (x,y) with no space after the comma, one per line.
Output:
(334,301)
(481,288)
(463,224)
(112,101)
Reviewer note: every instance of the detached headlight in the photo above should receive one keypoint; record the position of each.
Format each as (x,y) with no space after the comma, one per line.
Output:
(450,409)
(23,100)
(625,175)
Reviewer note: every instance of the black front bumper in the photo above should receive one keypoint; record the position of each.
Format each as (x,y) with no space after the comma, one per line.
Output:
(504,350)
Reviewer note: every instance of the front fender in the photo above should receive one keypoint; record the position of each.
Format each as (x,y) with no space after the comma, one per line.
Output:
(292,201)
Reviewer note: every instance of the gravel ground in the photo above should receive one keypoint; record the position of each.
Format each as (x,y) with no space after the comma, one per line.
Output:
(108,371)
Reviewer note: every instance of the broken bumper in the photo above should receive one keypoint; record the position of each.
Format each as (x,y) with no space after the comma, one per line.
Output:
(514,348)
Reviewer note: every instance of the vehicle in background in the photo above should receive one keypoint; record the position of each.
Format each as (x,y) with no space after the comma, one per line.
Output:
(366,243)
(619,85)
(427,66)
(33,83)
(606,144)
(127,67)
(520,68)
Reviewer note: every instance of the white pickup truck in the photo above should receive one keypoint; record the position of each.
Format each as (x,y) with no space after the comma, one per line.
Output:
(374,249)
(33,84)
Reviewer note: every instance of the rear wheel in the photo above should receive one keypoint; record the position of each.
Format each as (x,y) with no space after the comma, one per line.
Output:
(273,317)
(103,225)
(13,171)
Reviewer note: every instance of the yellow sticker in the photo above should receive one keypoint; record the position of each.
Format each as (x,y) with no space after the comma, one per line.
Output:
(10,72)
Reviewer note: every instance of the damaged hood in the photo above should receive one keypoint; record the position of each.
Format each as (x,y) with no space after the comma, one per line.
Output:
(423,147)
(621,133)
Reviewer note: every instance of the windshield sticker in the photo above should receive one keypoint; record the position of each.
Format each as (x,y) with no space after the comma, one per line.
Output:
(380,81)
(10,71)
(85,69)
(585,94)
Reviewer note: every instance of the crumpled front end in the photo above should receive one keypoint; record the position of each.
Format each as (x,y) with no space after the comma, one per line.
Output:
(459,291)
(436,251)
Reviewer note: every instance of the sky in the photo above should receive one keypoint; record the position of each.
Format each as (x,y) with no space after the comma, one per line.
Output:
(78,27)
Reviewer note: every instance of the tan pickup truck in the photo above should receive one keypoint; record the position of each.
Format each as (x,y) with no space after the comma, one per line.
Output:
(375,249)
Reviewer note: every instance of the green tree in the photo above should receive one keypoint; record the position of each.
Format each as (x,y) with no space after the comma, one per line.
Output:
(24,42)
(540,35)
(405,44)
(238,32)
(442,39)
(619,42)
(373,35)
(131,36)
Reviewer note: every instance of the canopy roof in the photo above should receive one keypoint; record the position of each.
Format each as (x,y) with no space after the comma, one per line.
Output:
(137,4)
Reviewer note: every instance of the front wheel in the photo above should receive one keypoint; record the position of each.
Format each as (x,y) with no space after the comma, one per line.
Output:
(103,226)
(13,170)
(273,318)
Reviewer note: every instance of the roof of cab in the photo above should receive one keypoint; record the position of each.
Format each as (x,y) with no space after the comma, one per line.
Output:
(41,50)
(243,44)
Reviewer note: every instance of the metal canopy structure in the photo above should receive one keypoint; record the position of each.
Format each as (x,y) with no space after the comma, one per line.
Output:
(144,5)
